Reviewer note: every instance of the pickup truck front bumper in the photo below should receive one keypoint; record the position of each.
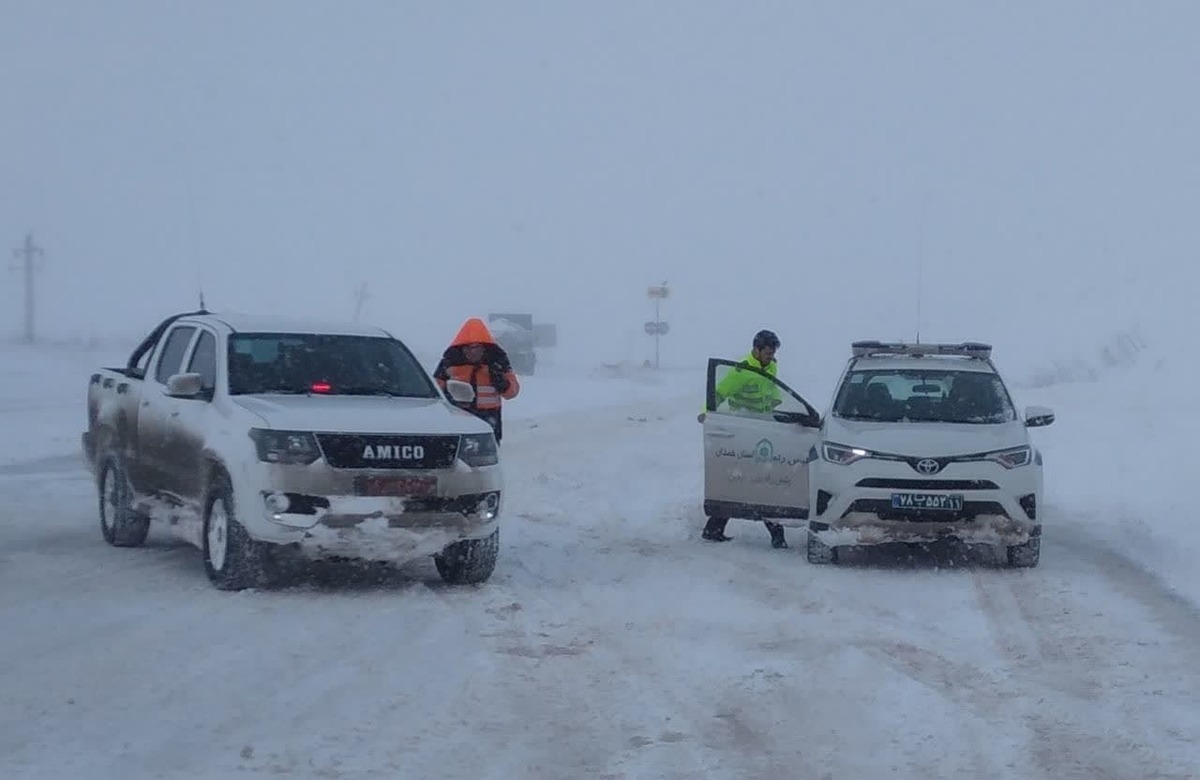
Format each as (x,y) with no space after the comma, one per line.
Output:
(369,514)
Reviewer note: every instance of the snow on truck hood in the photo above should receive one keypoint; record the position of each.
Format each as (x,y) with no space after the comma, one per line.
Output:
(925,439)
(360,414)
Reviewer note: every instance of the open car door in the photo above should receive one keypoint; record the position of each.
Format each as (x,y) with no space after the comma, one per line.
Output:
(756,463)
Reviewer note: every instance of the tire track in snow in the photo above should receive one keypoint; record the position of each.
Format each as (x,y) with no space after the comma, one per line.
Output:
(675,723)
(1082,675)
(1173,611)
(835,624)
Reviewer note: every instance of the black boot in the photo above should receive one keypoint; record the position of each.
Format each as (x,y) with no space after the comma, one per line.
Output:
(778,540)
(714,530)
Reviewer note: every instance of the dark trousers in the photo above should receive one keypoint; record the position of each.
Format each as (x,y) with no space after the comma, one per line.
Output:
(714,531)
(493,418)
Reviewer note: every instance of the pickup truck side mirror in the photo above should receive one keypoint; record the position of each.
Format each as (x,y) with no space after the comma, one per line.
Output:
(460,391)
(1038,416)
(185,385)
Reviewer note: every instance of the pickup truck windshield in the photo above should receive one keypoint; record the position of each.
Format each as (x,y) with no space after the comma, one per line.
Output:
(326,364)
(949,396)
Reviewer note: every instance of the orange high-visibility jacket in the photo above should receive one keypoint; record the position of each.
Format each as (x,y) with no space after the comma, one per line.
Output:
(454,365)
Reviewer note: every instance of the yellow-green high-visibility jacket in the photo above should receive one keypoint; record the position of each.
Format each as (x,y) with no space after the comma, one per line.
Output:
(747,390)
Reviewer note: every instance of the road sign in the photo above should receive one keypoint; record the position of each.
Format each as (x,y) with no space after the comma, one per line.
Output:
(656,328)
(658,291)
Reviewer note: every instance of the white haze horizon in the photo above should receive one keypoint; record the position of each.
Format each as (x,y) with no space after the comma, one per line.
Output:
(1031,169)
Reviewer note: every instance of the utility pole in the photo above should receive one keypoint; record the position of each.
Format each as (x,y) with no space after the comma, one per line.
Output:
(29,254)
(360,297)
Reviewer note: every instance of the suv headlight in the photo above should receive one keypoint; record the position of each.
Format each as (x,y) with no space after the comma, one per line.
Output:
(287,447)
(478,449)
(1012,458)
(842,454)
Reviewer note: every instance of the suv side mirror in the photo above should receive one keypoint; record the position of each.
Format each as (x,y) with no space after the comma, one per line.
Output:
(1038,416)
(803,419)
(460,391)
(185,385)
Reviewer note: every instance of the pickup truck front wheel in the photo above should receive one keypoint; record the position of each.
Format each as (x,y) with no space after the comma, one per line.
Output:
(470,561)
(232,560)
(119,523)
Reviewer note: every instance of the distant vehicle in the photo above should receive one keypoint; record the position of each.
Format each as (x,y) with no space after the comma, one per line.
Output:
(260,439)
(920,442)
(517,335)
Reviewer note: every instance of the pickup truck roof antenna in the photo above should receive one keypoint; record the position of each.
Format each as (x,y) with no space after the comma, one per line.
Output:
(203,308)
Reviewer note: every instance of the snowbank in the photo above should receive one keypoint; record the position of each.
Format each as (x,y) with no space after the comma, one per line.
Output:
(1118,458)
(43,401)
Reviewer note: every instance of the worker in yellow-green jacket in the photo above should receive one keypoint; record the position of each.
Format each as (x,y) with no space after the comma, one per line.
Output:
(750,391)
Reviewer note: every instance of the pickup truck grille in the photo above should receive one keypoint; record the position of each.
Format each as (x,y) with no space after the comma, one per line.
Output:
(387,451)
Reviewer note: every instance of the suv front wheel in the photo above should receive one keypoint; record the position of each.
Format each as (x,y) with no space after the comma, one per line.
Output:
(1025,556)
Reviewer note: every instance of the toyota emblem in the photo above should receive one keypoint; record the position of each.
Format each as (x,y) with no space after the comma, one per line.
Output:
(928,466)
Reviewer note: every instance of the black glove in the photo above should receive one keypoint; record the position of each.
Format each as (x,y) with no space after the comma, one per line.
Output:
(497,374)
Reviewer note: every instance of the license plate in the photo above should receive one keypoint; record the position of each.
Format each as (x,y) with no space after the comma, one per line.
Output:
(939,501)
(397,486)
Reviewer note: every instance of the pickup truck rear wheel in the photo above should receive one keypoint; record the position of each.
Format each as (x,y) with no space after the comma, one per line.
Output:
(470,561)
(119,523)
(232,560)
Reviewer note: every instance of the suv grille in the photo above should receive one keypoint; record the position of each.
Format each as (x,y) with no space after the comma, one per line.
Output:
(928,484)
(387,451)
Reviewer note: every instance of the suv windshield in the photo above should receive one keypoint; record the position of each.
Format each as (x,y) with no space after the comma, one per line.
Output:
(924,395)
(318,363)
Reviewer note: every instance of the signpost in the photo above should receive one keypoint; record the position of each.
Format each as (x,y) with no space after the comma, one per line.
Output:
(657,328)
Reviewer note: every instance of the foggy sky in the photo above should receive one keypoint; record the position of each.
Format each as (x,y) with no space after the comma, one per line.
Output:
(790,165)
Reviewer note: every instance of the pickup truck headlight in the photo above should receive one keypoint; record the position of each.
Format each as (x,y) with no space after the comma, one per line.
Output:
(842,454)
(1012,458)
(288,447)
(478,449)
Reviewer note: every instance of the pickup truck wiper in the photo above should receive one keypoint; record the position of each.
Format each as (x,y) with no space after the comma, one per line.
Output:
(375,391)
(267,391)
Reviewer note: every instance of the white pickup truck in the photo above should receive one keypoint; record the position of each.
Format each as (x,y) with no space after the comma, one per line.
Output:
(261,439)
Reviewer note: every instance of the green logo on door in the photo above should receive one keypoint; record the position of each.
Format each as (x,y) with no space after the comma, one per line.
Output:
(764,451)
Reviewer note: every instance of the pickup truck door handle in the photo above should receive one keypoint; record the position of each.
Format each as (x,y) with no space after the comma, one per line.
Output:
(720,434)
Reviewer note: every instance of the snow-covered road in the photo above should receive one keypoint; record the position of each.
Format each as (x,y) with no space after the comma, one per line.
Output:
(611,643)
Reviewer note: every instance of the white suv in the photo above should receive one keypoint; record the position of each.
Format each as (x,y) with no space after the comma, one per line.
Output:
(920,442)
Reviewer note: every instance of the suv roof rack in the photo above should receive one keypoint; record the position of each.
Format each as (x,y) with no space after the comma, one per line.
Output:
(968,349)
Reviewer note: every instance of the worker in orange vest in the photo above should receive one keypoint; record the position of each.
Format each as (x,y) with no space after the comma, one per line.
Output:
(474,357)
